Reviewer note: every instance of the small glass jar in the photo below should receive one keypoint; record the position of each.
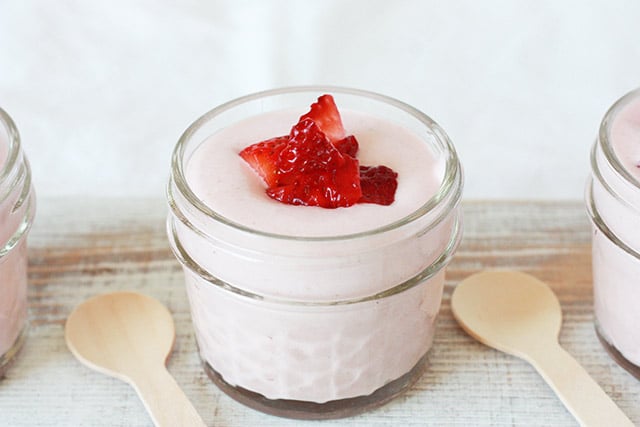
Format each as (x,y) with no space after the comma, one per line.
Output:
(17,207)
(613,202)
(296,350)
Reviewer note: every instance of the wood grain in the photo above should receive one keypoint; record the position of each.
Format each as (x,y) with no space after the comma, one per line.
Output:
(80,248)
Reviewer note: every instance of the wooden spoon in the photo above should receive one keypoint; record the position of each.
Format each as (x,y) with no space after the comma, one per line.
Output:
(130,336)
(518,314)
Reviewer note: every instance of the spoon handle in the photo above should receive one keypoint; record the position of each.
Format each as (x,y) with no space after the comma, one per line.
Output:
(164,400)
(581,395)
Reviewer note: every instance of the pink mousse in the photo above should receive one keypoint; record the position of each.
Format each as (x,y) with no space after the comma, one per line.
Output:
(315,353)
(13,264)
(616,271)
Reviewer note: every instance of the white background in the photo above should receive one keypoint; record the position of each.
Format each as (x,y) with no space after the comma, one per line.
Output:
(101,90)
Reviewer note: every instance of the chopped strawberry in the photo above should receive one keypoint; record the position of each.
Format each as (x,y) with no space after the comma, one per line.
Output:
(308,149)
(325,113)
(329,189)
(315,165)
(378,184)
(348,145)
(263,158)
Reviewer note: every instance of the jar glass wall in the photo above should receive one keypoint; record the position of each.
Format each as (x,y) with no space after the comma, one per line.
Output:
(315,326)
(17,207)
(613,201)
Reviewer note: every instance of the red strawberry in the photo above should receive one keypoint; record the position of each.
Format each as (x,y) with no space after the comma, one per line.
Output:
(308,149)
(348,145)
(329,188)
(325,113)
(315,164)
(378,184)
(263,158)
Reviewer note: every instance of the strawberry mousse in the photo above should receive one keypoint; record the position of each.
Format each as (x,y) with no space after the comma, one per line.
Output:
(314,289)
(16,214)
(614,204)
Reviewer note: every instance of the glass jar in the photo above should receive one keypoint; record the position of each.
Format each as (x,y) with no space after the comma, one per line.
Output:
(613,202)
(17,207)
(314,327)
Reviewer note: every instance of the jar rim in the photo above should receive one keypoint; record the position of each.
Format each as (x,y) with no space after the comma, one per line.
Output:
(450,189)
(15,178)
(13,137)
(600,224)
(605,139)
(426,273)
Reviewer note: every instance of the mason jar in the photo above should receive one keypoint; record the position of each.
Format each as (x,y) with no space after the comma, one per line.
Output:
(613,202)
(17,207)
(322,325)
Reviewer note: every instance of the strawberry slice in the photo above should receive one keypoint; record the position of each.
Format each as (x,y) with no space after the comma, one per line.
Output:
(263,158)
(347,145)
(378,184)
(307,150)
(328,189)
(316,165)
(325,113)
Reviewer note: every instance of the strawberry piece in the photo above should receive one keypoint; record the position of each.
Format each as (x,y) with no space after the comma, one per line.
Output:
(378,184)
(347,146)
(331,188)
(325,114)
(263,158)
(307,150)
(315,165)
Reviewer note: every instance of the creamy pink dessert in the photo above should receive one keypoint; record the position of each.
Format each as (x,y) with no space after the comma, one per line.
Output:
(13,304)
(16,213)
(614,201)
(309,304)
(4,149)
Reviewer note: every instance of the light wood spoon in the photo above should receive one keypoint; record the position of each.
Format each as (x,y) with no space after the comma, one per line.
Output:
(518,314)
(130,336)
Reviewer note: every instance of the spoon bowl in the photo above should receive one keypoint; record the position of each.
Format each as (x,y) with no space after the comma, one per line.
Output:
(518,314)
(130,336)
(509,311)
(104,333)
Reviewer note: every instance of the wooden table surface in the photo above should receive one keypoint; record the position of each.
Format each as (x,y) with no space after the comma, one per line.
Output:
(80,248)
